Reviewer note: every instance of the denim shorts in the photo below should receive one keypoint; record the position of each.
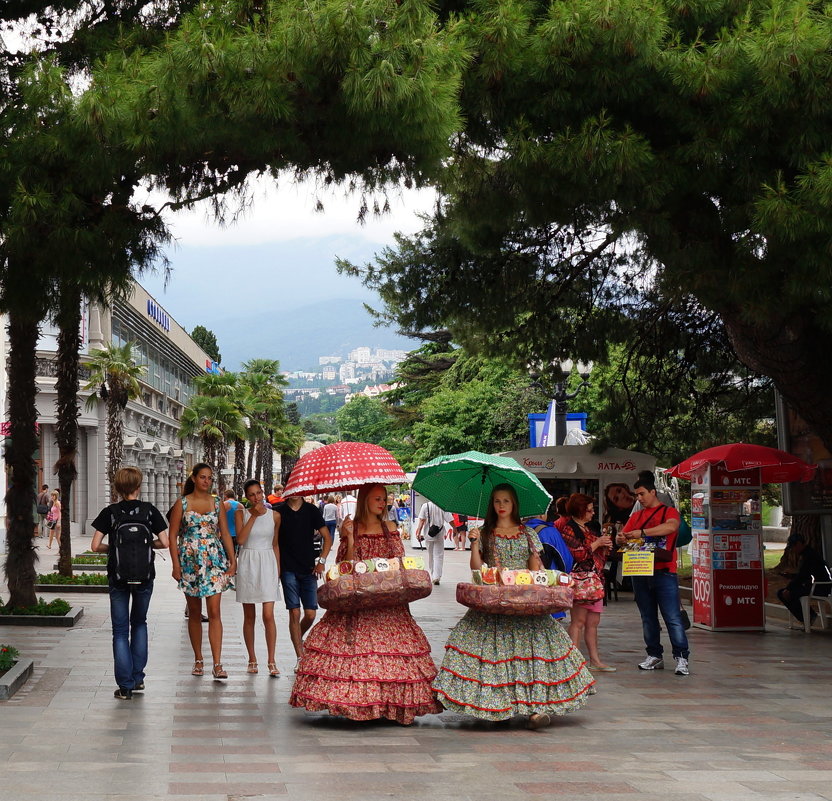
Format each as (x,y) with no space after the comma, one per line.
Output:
(299,589)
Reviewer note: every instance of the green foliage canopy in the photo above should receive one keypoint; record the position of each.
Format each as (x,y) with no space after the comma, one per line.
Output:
(628,162)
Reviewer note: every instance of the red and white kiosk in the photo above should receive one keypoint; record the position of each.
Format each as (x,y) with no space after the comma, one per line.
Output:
(727,549)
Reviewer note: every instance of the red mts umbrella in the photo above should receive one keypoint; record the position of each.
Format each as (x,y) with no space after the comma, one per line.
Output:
(342,466)
(775,466)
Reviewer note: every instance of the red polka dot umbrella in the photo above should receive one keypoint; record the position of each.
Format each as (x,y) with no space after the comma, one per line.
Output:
(343,466)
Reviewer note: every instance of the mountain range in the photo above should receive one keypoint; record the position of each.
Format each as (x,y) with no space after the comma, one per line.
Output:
(297,336)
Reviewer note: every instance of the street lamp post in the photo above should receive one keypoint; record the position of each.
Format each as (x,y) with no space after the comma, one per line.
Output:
(560,372)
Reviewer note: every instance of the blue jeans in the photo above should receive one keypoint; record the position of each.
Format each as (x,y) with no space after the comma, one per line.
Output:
(299,589)
(130,632)
(660,592)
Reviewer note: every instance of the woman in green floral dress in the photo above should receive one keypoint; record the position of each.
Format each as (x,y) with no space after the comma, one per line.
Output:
(498,666)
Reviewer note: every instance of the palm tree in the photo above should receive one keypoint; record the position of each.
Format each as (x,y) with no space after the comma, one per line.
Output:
(264,382)
(214,420)
(115,375)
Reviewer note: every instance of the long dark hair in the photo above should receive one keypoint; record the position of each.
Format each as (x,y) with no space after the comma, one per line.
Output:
(190,485)
(490,521)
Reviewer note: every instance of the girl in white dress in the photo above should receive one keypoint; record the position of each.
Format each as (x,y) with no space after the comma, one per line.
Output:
(258,568)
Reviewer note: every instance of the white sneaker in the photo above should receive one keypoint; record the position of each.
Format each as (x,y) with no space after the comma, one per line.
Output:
(682,668)
(652,663)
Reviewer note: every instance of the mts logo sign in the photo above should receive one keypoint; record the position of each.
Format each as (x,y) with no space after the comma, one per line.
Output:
(720,477)
(746,601)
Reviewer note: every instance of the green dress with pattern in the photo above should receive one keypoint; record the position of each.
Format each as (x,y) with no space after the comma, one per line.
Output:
(497,666)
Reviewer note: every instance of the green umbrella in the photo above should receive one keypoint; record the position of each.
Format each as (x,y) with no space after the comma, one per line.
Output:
(462,483)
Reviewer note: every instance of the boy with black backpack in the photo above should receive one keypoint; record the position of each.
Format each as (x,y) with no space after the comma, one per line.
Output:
(135,528)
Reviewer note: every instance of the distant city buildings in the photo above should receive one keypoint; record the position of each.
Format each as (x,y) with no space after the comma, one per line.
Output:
(361,365)
(338,376)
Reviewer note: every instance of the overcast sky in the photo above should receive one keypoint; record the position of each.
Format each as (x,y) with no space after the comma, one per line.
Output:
(279,255)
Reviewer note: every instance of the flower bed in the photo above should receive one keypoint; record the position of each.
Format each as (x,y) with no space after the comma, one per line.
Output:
(78,582)
(14,671)
(57,612)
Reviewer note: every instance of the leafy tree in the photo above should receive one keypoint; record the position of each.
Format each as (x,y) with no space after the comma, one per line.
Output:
(199,101)
(207,340)
(114,378)
(68,226)
(642,406)
(363,419)
(628,162)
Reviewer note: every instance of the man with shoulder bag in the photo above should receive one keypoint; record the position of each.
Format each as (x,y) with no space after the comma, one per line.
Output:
(658,523)
(434,521)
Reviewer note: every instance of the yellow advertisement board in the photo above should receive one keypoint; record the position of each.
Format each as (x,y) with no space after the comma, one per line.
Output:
(637,563)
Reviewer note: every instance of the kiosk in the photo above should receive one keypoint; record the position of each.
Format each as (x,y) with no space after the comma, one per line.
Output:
(608,475)
(727,550)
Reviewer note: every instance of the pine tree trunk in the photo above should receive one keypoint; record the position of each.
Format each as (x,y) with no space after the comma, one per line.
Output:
(115,440)
(20,449)
(68,411)
(239,465)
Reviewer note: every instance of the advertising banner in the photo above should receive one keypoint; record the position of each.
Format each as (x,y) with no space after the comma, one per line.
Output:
(702,595)
(637,563)
(738,599)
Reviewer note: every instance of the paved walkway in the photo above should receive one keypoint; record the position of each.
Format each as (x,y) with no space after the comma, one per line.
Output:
(752,722)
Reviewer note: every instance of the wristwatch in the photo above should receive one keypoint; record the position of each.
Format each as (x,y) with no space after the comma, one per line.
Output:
(320,561)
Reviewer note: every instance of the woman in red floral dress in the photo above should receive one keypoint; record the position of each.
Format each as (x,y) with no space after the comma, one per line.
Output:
(371,663)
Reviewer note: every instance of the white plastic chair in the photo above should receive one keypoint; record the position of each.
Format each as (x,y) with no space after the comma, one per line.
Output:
(822,602)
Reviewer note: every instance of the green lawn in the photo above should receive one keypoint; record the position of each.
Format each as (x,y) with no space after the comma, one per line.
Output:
(770,559)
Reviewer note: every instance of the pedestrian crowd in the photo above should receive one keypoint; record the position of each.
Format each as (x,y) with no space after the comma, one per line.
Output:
(369,663)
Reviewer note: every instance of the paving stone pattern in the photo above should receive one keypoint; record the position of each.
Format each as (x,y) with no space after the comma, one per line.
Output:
(751,722)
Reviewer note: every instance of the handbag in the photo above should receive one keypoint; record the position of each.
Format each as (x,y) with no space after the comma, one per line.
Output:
(527,599)
(43,509)
(51,523)
(587,586)
(355,591)
(683,614)
(433,531)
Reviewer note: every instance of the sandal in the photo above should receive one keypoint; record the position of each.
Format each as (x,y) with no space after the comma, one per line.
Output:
(273,671)
(197,671)
(539,720)
(252,666)
(218,672)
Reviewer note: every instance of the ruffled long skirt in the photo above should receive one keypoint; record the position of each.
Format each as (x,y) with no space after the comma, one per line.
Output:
(497,666)
(366,665)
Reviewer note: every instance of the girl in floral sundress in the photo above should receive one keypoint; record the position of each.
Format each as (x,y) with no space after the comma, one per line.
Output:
(370,663)
(498,666)
(203,560)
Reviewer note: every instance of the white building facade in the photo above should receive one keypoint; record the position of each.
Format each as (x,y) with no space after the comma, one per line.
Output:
(151,423)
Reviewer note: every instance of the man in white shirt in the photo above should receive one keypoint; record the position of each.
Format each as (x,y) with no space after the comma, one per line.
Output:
(346,509)
(434,521)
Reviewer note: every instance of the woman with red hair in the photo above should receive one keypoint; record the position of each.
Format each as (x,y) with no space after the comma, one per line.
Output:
(589,549)
(369,663)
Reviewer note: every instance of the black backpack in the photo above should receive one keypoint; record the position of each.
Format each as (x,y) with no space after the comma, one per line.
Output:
(131,545)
